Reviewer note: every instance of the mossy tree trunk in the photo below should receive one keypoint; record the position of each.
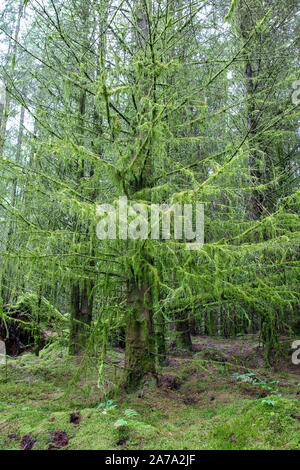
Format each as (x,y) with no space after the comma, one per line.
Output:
(183,333)
(139,340)
(160,339)
(193,326)
(81,318)
(82,297)
(140,356)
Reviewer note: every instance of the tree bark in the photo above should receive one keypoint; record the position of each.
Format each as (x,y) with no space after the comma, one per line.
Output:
(183,335)
(81,318)
(140,356)
(160,338)
(140,344)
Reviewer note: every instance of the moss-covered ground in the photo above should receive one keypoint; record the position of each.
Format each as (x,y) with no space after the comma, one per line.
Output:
(220,397)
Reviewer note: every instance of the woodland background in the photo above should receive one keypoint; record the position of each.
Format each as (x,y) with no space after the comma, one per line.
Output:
(161,101)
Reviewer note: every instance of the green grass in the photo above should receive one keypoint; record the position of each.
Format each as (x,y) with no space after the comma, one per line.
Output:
(212,409)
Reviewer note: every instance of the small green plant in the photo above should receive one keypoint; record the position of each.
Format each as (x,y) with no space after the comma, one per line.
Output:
(272,401)
(107,406)
(262,384)
(248,377)
(130,413)
(122,431)
(122,425)
(120,422)
(268,401)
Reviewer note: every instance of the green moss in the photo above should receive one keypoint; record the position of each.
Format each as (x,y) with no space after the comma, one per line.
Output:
(35,402)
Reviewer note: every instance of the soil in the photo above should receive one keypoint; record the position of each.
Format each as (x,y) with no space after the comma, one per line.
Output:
(75,418)
(27,442)
(59,439)
(169,382)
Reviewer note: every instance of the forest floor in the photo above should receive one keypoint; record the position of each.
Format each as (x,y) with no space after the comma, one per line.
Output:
(221,396)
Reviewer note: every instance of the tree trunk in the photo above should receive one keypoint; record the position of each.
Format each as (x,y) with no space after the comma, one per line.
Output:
(140,350)
(139,357)
(183,335)
(193,326)
(7,275)
(82,300)
(12,52)
(81,318)
(160,338)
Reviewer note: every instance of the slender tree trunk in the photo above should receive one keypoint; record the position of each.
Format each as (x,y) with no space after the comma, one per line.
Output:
(82,299)
(74,341)
(252,72)
(81,317)
(7,274)
(193,328)
(160,338)
(183,335)
(11,50)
